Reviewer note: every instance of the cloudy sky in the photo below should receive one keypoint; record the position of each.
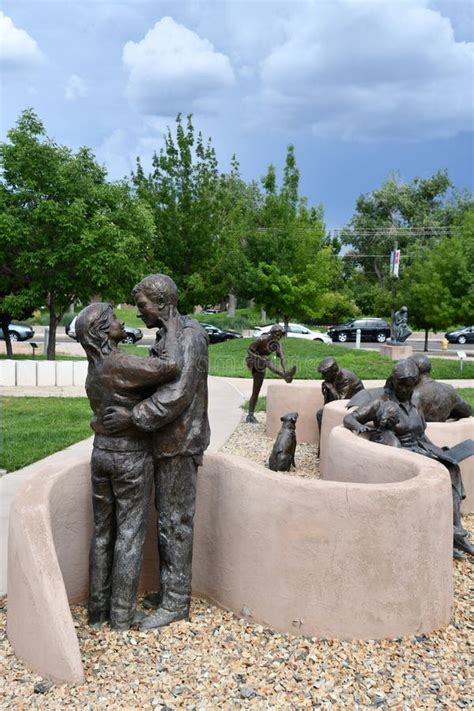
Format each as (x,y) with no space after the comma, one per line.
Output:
(360,87)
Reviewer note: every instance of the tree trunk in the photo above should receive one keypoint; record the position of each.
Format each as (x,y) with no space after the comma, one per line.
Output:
(426,340)
(4,323)
(232,305)
(53,323)
(286,320)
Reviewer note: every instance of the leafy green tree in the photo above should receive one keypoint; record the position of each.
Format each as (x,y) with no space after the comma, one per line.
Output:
(291,263)
(183,192)
(410,215)
(439,285)
(76,235)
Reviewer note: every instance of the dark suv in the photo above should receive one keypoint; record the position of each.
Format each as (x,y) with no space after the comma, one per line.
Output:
(372,329)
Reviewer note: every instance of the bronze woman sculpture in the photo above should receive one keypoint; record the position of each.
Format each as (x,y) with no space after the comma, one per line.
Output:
(410,432)
(121,465)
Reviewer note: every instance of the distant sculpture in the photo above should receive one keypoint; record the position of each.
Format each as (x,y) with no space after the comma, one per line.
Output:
(338,384)
(400,328)
(438,401)
(258,361)
(283,452)
(177,416)
(410,432)
(121,465)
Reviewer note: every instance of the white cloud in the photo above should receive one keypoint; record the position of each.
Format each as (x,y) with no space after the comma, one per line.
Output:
(75,88)
(172,69)
(370,69)
(18,50)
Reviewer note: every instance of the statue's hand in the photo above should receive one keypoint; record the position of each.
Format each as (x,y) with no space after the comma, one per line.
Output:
(116,419)
(360,429)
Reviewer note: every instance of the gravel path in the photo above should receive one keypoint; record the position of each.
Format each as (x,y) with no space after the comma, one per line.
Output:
(217,661)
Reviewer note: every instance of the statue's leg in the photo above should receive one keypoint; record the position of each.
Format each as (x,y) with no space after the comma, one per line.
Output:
(132,488)
(175,490)
(258,378)
(461,409)
(103,537)
(461,536)
(319,419)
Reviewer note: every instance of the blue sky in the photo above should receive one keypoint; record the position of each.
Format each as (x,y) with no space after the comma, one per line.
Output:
(362,88)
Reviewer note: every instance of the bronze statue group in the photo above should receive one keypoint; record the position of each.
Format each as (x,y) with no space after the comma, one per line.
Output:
(151,429)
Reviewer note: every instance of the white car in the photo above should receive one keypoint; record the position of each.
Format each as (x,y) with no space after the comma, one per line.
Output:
(296,330)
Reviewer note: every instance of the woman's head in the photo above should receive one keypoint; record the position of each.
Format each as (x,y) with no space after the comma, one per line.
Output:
(405,376)
(93,329)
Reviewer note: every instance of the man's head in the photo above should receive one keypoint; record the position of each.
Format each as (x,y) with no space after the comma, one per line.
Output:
(328,368)
(422,362)
(156,297)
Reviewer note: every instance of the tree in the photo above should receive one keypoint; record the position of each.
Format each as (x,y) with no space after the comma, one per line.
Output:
(183,193)
(291,264)
(76,235)
(407,215)
(439,285)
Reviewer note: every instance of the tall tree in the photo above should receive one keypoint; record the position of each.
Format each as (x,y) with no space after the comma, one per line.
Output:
(292,265)
(438,286)
(78,235)
(407,215)
(183,193)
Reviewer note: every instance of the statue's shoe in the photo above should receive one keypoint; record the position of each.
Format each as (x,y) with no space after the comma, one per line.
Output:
(251,418)
(162,618)
(151,601)
(459,555)
(463,543)
(137,619)
(97,619)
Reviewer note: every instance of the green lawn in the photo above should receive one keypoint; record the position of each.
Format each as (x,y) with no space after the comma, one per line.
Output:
(228,360)
(34,427)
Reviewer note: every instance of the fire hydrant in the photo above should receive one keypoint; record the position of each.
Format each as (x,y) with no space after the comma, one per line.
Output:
(444,344)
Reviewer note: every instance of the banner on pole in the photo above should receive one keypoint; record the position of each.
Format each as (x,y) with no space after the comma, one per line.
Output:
(396,262)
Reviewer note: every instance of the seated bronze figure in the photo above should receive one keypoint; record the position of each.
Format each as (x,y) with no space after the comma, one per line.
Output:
(410,433)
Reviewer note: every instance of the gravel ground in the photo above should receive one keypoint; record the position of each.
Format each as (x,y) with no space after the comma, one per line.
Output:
(218,661)
(250,440)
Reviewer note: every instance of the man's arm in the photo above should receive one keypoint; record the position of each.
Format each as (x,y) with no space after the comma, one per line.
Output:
(135,372)
(170,401)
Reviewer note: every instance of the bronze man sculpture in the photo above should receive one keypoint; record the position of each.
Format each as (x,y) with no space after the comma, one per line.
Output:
(121,465)
(410,432)
(177,417)
(258,361)
(438,401)
(338,384)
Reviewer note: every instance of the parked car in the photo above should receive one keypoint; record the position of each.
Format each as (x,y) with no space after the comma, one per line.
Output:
(218,335)
(210,311)
(296,330)
(133,334)
(371,329)
(18,332)
(461,335)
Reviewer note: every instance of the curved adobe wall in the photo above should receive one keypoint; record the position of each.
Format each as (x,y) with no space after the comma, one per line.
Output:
(306,400)
(441,433)
(324,558)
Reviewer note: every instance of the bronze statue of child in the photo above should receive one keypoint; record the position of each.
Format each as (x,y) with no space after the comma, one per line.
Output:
(121,464)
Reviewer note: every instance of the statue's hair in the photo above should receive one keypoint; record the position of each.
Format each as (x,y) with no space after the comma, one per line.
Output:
(157,287)
(406,368)
(92,329)
(327,364)
(387,407)
(277,328)
(422,362)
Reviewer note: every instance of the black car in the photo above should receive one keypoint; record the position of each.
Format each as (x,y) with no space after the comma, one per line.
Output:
(371,329)
(218,335)
(133,334)
(461,335)
(18,332)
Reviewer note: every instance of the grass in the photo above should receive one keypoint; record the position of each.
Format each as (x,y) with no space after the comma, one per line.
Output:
(34,427)
(261,405)
(228,360)
(467,394)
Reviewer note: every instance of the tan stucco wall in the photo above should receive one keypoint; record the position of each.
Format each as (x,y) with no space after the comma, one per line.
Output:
(325,558)
(300,398)
(441,433)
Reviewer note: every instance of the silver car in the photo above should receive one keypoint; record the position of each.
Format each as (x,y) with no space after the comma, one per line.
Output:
(18,332)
